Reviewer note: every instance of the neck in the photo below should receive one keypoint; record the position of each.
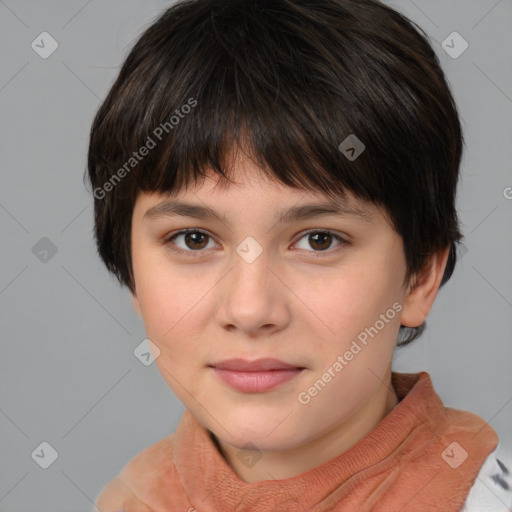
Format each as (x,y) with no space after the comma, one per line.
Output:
(287,464)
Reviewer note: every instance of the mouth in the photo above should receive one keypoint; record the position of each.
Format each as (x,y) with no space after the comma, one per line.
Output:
(255,376)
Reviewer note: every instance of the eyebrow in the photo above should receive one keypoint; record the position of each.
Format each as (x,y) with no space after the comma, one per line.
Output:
(175,208)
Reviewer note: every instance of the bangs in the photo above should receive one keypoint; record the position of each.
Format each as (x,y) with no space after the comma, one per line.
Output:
(284,141)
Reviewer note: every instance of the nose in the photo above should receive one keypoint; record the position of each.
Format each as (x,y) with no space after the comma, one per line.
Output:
(253,298)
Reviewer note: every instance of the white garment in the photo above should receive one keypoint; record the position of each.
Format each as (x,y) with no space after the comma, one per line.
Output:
(492,490)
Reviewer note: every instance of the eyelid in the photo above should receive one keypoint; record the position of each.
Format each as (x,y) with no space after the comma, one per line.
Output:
(332,232)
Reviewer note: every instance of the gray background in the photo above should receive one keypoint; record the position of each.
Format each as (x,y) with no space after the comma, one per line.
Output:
(68,373)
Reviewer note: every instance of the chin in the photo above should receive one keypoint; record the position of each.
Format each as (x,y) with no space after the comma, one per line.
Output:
(264,432)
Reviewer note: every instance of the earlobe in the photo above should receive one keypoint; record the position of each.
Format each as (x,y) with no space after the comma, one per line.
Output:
(420,298)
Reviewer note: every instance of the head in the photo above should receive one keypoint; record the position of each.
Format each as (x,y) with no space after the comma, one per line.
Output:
(250,108)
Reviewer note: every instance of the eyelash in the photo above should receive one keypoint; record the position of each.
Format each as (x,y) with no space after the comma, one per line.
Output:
(316,254)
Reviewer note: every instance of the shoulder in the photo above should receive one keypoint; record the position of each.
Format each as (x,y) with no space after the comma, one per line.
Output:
(128,488)
(492,489)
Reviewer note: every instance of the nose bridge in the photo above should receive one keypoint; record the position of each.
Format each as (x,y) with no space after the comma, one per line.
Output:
(250,273)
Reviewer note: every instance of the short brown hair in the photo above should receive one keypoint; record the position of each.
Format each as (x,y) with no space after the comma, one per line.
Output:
(291,80)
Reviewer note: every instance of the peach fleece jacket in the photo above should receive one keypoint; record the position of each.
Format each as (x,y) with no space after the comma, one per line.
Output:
(421,457)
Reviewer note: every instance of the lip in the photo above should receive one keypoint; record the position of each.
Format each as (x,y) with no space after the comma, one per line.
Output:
(255,376)
(258,365)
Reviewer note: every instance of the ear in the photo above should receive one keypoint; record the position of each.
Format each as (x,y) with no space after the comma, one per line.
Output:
(421,295)
(136,304)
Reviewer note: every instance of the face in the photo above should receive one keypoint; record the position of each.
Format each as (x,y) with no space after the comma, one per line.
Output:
(322,292)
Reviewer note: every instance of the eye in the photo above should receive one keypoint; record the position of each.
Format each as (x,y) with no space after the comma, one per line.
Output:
(321,241)
(191,240)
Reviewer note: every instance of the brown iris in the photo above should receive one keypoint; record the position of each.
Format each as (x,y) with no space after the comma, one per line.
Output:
(192,240)
(320,238)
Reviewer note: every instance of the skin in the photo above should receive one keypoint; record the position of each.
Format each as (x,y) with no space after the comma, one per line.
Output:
(287,304)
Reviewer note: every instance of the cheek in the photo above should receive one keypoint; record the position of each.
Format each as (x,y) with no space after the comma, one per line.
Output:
(174,309)
(168,305)
(356,303)
(358,296)
(162,294)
